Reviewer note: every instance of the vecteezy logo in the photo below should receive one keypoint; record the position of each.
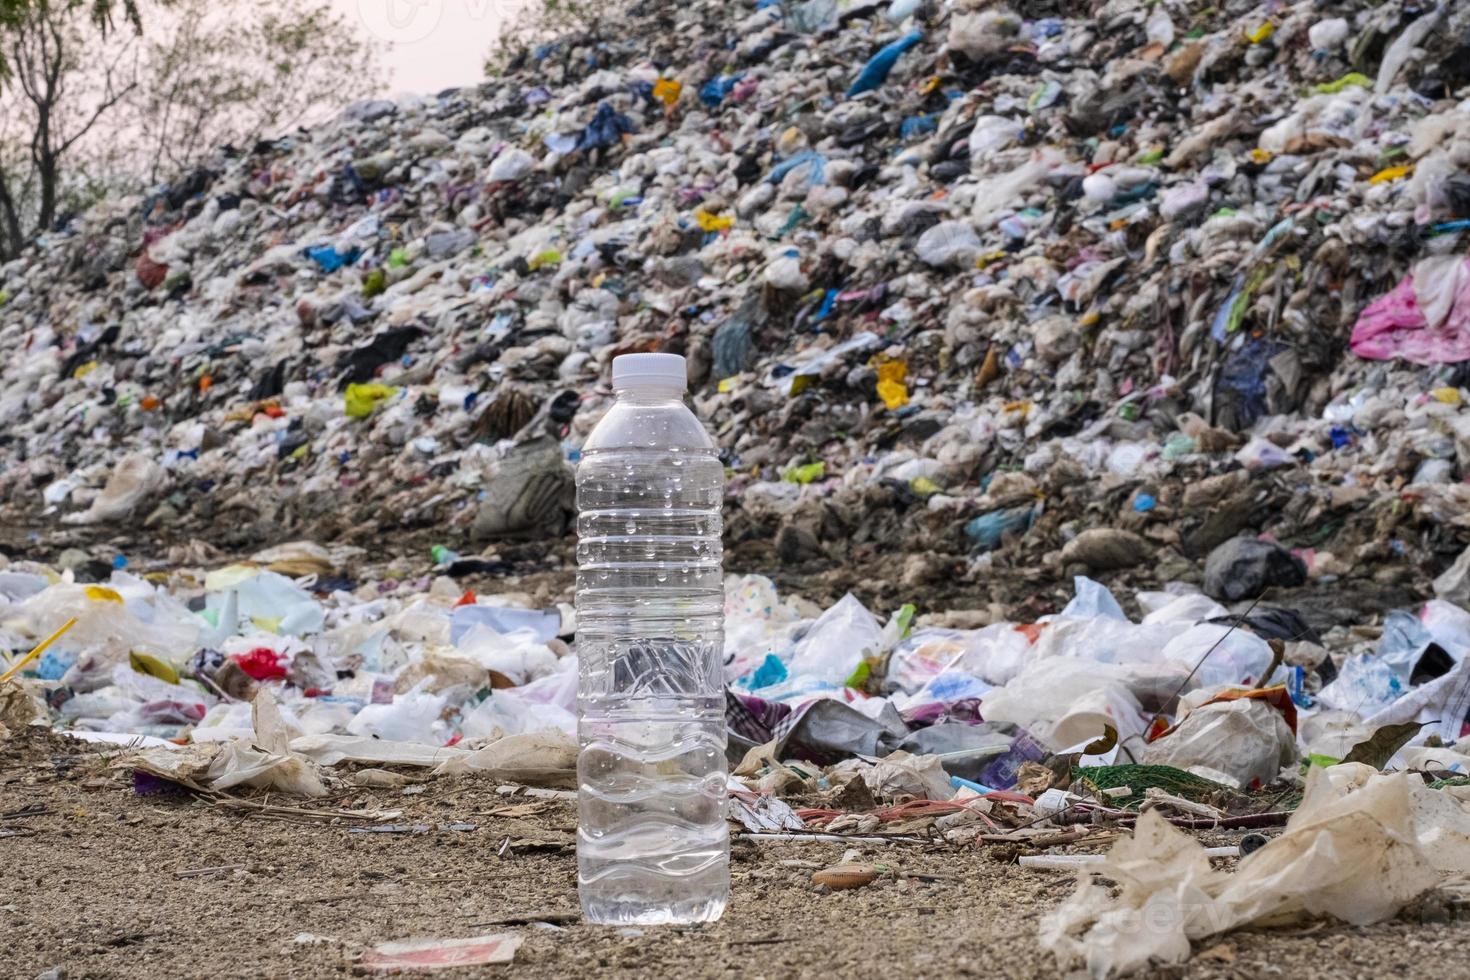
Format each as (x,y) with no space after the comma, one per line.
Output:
(400,21)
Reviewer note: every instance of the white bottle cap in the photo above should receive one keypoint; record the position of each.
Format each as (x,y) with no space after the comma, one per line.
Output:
(658,370)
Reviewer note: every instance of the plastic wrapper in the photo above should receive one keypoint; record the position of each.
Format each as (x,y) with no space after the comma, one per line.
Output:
(837,642)
(1241,742)
(1359,848)
(110,623)
(410,717)
(543,625)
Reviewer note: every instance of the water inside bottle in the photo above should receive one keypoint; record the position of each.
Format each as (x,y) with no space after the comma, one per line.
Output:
(652,844)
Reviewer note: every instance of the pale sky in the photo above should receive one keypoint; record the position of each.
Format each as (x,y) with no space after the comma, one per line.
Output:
(431,44)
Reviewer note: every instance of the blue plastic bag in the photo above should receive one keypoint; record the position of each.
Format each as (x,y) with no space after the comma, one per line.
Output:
(328,259)
(816,175)
(606,128)
(919,125)
(875,72)
(713,92)
(988,529)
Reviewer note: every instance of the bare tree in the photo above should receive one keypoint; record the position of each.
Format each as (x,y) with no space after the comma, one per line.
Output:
(103,14)
(61,76)
(209,73)
(235,71)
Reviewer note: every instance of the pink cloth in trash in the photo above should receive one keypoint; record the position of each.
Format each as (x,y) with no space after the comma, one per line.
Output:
(1424,319)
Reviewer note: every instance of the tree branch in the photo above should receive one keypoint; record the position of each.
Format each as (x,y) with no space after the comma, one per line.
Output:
(106,104)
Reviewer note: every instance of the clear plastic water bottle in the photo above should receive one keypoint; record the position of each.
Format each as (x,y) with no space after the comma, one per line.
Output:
(652,846)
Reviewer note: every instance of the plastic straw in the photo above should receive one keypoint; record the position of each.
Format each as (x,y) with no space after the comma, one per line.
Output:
(19,665)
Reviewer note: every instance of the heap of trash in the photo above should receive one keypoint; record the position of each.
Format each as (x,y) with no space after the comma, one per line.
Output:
(270,674)
(963,288)
(183,662)
(1119,352)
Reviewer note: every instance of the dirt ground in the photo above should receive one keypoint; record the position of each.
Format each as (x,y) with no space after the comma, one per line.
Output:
(544,571)
(102,882)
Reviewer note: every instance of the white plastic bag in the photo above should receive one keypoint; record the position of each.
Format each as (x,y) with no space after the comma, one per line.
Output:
(1064,702)
(412,717)
(949,243)
(1244,740)
(133,483)
(837,643)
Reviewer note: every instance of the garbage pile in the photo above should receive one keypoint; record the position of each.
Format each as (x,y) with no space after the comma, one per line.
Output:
(1166,303)
(277,674)
(963,287)
(1234,699)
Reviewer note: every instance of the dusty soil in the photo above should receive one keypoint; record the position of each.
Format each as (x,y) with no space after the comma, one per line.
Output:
(102,882)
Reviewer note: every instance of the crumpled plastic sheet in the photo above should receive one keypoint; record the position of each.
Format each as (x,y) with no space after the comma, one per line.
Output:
(1425,319)
(1238,742)
(1360,847)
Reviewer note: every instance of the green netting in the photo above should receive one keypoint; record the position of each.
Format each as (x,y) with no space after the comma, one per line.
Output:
(1140,778)
(1452,781)
(1177,782)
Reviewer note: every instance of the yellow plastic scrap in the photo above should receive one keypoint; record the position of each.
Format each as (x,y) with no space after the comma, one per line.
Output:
(1352,79)
(228,577)
(1261,33)
(726,385)
(923,486)
(362,400)
(101,593)
(17,666)
(891,387)
(806,473)
(800,383)
(791,139)
(146,663)
(713,222)
(667,90)
(1391,173)
(1259,155)
(84,369)
(1446,396)
(549,257)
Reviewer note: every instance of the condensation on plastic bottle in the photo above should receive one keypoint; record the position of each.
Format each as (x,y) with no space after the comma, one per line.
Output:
(652,845)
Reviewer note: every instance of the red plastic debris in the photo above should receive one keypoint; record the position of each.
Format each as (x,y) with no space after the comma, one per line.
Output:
(151,274)
(261,664)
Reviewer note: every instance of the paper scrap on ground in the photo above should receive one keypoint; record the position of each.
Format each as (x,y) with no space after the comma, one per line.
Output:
(441,954)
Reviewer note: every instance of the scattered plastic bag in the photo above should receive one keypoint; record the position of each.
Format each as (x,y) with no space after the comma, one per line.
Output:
(836,644)
(1239,742)
(1353,851)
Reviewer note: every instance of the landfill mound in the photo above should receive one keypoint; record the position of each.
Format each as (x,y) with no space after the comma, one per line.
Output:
(975,294)
(1126,347)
